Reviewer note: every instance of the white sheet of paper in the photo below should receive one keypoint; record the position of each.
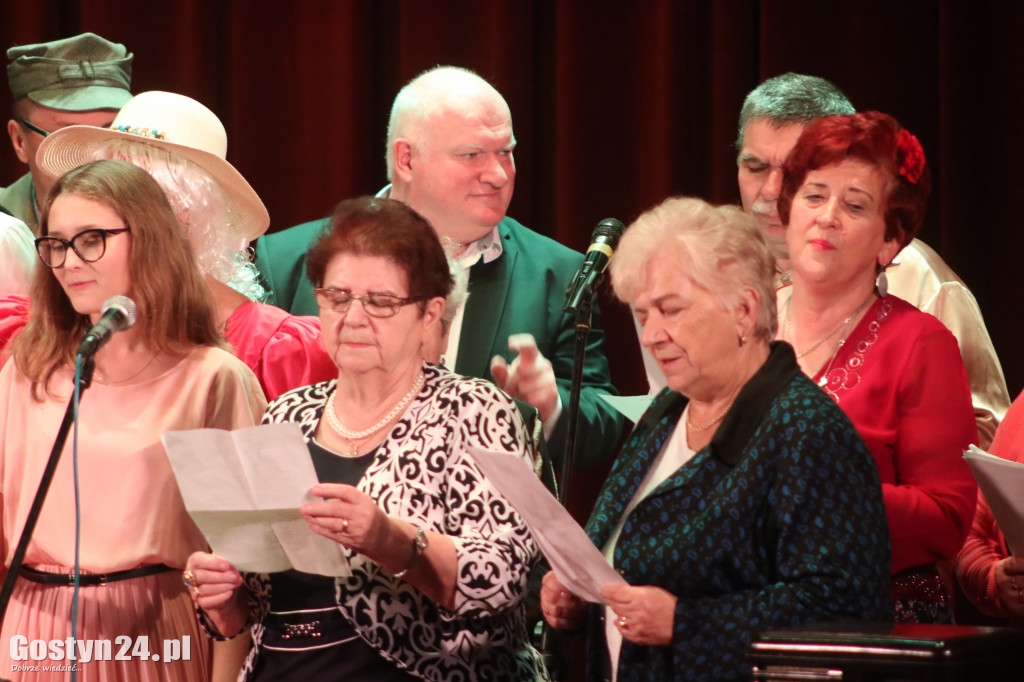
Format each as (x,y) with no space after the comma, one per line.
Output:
(632,407)
(1002,483)
(573,557)
(244,488)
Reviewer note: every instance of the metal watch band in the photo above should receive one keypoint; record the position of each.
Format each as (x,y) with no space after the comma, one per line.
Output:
(419,545)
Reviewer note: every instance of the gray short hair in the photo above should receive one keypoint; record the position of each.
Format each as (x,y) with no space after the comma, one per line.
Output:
(721,247)
(792,98)
(426,94)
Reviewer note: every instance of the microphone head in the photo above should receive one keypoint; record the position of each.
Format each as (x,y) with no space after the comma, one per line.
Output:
(125,306)
(608,231)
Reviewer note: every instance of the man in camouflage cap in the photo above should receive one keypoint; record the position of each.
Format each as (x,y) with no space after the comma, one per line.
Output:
(83,80)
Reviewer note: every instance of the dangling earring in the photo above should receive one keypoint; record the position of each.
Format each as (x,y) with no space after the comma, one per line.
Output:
(881,282)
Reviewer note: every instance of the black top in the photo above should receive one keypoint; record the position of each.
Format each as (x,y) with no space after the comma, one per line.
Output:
(307,637)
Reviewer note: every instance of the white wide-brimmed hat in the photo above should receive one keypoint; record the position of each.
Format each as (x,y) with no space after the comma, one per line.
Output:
(173,122)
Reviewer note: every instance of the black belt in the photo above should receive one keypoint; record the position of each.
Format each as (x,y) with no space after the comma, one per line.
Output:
(90,579)
(306,629)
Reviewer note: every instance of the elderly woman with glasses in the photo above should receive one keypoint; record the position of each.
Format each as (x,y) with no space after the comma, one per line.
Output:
(439,557)
(108,230)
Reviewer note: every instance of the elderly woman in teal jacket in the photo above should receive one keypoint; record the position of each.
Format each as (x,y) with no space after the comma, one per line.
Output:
(744,499)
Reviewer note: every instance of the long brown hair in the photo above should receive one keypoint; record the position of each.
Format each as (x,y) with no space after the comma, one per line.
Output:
(175,307)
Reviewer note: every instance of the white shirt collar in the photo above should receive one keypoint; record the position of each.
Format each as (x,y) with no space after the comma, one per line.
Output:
(487,249)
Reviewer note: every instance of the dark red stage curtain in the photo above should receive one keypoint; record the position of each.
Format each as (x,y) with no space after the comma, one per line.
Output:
(616,105)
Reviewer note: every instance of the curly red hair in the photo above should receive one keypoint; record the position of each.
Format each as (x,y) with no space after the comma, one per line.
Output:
(877,139)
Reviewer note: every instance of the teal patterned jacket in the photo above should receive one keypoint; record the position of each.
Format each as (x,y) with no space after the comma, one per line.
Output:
(777,522)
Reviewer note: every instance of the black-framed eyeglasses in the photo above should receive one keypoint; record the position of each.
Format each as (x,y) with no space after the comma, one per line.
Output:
(90,245)
(33,127)
(375,305)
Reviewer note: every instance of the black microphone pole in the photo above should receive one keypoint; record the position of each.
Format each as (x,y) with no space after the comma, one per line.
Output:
(583,319)
(552,642)
(85,379)
(579,302)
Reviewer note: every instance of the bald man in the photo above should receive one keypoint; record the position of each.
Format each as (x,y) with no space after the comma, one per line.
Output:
(450,156)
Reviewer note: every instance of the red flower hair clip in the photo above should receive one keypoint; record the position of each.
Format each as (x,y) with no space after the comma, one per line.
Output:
(911,156)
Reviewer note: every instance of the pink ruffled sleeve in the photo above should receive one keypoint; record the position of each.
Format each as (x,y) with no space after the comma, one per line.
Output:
(284,351)
(13,318)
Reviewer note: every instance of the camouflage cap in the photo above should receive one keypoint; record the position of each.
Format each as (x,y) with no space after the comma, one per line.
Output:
(81,73)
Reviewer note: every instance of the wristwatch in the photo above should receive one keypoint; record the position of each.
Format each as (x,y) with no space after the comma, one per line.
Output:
(419,546)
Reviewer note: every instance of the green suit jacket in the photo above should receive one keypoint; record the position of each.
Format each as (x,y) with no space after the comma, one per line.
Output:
(521,291)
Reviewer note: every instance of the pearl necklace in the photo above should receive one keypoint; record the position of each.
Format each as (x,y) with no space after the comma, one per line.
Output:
(332,417)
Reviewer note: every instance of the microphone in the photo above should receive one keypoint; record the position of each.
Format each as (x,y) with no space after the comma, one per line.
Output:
(603,242)
(118,314)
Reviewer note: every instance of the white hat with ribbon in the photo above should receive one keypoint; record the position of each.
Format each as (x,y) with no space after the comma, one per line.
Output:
(174,122)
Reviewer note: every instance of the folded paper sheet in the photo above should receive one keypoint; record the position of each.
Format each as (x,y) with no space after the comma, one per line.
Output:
(572,556)
(1002,483)
(632,407)
(244,488)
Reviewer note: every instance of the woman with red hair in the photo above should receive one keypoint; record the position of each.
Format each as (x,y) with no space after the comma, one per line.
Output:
(853,194)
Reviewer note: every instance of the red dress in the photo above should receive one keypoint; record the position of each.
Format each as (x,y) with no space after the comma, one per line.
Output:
(284,351)
(900,379)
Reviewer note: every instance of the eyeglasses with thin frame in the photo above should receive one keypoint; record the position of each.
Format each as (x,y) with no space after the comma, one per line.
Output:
(375,305)
(33,127)
(90,245)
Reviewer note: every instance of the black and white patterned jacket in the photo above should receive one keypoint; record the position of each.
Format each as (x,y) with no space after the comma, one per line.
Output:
(423,473)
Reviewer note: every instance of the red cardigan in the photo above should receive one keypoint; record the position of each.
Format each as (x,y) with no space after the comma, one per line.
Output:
(900,379)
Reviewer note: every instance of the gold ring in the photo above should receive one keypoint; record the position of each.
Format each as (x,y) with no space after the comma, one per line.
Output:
(344,525)
(189,578)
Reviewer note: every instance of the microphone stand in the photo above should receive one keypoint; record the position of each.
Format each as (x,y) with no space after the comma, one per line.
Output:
(552,642)
(583,319)
(85,379)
